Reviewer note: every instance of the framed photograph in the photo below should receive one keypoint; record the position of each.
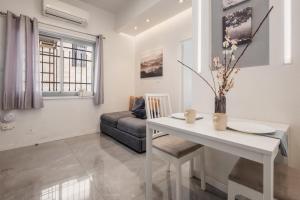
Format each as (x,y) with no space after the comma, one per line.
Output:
(239,25)
(231,3)
(152,64)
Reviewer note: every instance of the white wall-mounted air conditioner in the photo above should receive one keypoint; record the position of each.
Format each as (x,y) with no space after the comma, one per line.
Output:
(66,12)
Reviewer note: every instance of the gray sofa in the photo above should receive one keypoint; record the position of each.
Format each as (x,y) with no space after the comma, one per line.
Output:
(125,128)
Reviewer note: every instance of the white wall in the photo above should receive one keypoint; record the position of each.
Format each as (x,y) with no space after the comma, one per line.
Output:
(70,117)
(167,36)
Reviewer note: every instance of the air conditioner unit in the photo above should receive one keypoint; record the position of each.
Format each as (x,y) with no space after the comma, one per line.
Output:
(66,12)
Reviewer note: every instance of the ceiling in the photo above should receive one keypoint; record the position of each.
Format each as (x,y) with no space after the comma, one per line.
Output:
(159,12)
(113,6)
(136,16)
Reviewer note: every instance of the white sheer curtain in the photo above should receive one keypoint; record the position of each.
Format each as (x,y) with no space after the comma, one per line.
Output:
(21,86)
(98,79)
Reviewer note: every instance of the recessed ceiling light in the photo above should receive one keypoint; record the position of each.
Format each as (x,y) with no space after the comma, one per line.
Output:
(148,20)
(180,1)
(135,28)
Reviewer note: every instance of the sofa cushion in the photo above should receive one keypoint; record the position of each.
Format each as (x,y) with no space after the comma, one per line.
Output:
(133,126)
(135,143)
(112,119)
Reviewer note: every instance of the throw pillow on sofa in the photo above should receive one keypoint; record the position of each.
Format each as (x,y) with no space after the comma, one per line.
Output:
(138,104)
(138,108)
(140,113)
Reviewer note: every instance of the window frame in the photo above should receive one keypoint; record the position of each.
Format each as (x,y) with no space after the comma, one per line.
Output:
(73,40)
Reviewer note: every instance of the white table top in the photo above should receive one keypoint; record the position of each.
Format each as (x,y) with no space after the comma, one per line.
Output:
(204,128)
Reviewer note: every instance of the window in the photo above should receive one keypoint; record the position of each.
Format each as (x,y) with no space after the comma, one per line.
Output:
(66,66)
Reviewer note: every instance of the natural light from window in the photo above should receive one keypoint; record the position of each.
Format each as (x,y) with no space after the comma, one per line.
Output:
(75,189)
(198,5)
(287,31)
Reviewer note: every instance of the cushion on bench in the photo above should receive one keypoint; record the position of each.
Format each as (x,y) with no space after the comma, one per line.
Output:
(175,146)
(133,126)
(112,119)
(250,174)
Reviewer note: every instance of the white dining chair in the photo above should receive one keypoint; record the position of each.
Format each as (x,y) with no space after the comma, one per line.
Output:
(174,150)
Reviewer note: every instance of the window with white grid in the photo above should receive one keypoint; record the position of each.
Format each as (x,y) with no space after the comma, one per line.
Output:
(66,66)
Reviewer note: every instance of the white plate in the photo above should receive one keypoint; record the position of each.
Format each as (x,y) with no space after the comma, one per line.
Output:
(182,117)
(253,128)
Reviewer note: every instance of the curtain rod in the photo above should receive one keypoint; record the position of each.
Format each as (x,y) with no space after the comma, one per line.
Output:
(5,14)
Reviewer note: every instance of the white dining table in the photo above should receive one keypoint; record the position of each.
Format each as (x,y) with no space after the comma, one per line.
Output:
(253,147)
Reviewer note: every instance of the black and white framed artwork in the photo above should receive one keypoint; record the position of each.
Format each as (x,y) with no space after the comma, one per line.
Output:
(238,25)
(152,64)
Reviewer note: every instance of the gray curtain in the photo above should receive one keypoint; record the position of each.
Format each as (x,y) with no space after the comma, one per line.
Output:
(98,79)
(21,87)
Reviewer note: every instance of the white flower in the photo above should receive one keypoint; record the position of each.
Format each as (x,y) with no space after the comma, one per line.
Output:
(216,61)
(234,47)
(226,44)
(227,38)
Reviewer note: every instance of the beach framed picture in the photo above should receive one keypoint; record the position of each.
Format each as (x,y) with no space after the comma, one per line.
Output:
(231,3)
(152,63)
(239,26)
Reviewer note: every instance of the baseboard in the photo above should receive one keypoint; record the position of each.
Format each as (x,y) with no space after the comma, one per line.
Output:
(217,184)
(45,140)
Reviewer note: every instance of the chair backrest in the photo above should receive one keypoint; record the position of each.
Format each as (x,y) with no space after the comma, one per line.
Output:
(158,105)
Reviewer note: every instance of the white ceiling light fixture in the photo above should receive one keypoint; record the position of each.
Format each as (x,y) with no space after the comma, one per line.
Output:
(147,20)
(180,1)
(135,28)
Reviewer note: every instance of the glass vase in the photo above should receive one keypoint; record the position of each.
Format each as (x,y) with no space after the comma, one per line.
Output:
(220,104)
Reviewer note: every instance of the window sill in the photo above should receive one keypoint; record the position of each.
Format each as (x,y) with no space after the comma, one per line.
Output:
(67,97)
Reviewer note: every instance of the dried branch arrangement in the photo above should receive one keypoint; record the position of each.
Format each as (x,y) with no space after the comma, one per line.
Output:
(228,66)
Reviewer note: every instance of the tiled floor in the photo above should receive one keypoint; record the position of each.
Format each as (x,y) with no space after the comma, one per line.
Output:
(90,167)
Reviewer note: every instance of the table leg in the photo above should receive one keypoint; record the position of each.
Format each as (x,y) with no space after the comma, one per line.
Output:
(148,163)
(202,169)
(268,178)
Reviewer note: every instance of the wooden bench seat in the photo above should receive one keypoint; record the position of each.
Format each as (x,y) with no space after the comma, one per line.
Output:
(250,174)
(175,146)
